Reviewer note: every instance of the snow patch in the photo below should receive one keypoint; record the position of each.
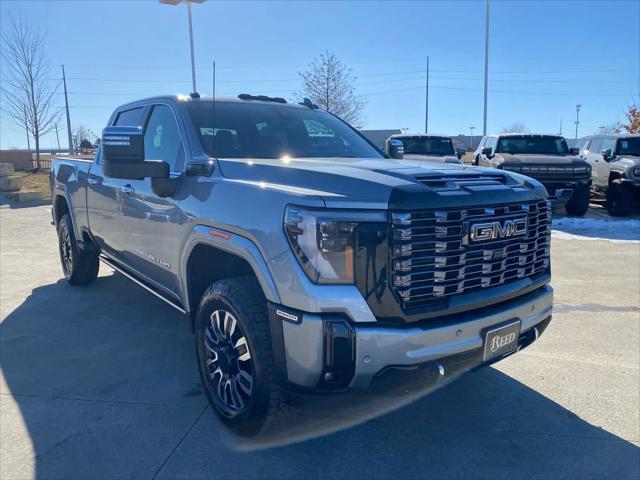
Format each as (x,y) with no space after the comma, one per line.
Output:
(570,228)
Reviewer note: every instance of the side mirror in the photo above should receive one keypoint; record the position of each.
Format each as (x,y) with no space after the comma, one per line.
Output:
(460,152)
(395,149)
(574,151)
(123,155)
(487,151)
(606,154)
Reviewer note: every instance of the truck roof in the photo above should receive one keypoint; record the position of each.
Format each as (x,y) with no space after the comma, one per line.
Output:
(426,135)
(526,134)
(206,98)
(612,136)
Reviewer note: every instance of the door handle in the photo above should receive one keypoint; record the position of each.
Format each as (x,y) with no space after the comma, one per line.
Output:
(92,181)
(128,189)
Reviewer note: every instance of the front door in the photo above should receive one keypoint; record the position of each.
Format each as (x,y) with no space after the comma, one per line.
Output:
(149,222)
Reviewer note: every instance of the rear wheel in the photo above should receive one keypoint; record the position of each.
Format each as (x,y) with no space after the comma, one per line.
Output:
(619,199)
(578,204)
(79,267)
(235,356)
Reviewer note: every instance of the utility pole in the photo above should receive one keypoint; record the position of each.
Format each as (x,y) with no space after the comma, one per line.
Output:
(26,128)
(57,136)
(577,118)
(560,126)
(471,129)
(486,65)
(426,106)
(66,106)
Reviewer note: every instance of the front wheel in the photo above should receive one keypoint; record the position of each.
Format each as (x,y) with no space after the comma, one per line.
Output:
(619,199)
(79,267)
(235,356)
(578,204)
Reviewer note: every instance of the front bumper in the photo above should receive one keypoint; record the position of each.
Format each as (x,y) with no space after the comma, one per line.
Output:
(305,355)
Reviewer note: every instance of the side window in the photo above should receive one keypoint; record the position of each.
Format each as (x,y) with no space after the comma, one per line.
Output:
(162,138)
(491,142)
(129,118)
(608,143)
(594,146)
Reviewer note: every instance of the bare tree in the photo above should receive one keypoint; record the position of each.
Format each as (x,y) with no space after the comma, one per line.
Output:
(330,85)
(26,88)
(515,127)
(81,134)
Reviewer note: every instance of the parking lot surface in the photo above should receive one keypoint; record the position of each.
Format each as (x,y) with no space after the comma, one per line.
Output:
(101,382)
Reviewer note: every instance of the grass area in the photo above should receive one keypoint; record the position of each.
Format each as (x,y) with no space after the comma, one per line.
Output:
(36,181)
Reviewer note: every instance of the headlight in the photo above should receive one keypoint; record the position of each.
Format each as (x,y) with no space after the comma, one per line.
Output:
(583,169)
(324,241)
(636,172)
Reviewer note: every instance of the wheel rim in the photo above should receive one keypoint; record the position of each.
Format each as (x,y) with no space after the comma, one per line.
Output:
(228,366)
(65,251)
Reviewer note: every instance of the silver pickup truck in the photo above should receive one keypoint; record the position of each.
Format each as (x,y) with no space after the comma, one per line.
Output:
(304,258)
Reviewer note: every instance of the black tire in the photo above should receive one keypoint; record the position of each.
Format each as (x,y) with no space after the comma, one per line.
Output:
(578,204)
(246,413)
(79,267)
(619,199)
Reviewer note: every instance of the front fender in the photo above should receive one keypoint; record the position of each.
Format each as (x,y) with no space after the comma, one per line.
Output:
(232,243)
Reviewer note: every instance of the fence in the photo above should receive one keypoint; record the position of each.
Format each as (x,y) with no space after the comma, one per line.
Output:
(45,160)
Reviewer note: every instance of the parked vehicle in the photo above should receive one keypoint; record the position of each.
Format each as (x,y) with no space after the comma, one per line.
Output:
(615,161)
(546,158)
(304,258)
(428,147)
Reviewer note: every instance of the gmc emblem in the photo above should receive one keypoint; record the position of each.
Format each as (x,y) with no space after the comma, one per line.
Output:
(481,232)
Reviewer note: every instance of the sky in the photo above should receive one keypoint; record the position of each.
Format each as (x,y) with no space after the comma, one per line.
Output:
(545,57)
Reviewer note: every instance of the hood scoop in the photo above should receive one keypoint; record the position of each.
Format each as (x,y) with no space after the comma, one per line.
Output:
(467,182)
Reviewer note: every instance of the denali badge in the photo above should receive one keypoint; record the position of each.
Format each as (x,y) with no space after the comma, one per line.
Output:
(480,232)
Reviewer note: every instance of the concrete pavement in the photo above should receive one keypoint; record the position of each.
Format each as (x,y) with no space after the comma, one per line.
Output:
(101,382)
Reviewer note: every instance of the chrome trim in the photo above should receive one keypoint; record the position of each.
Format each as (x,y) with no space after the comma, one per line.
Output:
(109,263)
(438,256)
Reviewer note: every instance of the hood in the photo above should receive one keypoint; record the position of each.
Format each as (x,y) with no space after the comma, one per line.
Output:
(538,159)
(626,161)
(432,158)
(378,183)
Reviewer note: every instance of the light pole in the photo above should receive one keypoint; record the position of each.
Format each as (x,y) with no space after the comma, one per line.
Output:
(578,107)
(486,65)
(193,61)
(471,129)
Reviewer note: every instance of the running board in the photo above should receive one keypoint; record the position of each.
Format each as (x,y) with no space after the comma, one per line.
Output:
(109,263)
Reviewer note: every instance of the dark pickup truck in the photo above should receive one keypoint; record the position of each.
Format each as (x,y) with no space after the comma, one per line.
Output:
(546,158)
(303,257)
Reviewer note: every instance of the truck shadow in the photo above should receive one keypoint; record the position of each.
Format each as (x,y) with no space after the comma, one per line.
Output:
(102,382)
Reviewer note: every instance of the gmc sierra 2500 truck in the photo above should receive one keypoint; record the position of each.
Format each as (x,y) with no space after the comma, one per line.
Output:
(305,259)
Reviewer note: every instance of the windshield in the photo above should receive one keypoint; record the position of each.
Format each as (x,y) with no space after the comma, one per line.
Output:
(629,146)
(420,145)
(541,144)
(254,130)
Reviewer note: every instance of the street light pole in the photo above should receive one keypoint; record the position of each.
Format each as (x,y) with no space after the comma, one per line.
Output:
(193,61)
(486,65)
(471,129)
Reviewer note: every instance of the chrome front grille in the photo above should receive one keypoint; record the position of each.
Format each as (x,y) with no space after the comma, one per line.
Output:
(435,254)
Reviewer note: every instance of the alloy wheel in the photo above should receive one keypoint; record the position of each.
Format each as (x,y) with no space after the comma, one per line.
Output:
(229,368)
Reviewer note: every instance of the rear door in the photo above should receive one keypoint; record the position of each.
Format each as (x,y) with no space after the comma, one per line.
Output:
(103,195)
(150,221)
